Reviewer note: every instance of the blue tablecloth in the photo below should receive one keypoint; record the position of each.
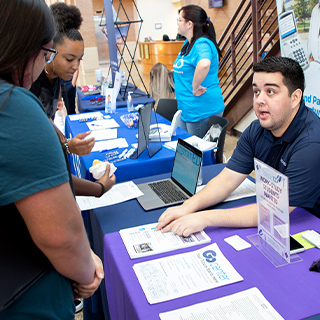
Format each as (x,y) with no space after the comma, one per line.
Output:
(138,97)
(128,169)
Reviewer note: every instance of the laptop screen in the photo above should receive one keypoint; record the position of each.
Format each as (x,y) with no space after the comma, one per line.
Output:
(186,166)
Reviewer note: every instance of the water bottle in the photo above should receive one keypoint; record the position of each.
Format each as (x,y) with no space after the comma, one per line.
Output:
(103,89)
(195,144)
(130,107)
(123,78)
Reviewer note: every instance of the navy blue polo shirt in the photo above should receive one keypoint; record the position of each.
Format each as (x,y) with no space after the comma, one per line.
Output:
(296,154)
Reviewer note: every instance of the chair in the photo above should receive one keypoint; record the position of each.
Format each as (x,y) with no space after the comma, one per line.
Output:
(167,108)
(223,122)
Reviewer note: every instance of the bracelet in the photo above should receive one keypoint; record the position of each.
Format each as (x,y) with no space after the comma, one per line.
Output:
(103,190)
(66,144)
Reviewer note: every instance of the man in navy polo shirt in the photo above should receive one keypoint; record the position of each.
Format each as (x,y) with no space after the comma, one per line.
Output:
(286,136)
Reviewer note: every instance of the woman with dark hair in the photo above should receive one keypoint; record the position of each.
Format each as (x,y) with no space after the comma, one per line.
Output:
(44,251)
(48,86)
(67,17)
(70,47)
(196,68)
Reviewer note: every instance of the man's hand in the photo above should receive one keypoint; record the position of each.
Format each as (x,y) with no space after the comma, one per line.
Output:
(80,146)
(86,291)
(107,181)
(169,216)
(189,223)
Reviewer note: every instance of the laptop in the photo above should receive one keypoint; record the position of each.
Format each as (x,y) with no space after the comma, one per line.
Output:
(182,184)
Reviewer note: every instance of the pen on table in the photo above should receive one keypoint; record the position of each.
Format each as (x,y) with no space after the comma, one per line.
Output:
(129,153)
(123,153)
(96,125)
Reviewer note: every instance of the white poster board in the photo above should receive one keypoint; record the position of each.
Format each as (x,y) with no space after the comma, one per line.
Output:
(299,23)
(273,211)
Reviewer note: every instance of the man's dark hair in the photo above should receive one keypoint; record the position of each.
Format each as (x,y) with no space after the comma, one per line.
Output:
(293,76)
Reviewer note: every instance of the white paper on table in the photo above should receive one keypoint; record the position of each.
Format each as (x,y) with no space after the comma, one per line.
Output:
(110,144)
(202,144)
(144,241)
(246,189)
(118,193)
(184,274)
(247,304)
(102,124)
(117,85)
(237,243)
(105,134)
(86,115)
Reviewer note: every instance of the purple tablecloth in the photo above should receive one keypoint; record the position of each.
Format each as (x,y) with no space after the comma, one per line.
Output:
(291,289)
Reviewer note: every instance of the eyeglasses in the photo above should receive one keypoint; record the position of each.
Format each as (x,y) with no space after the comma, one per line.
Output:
(50,55)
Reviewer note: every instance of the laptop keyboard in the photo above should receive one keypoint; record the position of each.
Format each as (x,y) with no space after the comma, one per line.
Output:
(167,192)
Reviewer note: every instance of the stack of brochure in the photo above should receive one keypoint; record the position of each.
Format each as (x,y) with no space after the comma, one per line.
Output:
(145,241)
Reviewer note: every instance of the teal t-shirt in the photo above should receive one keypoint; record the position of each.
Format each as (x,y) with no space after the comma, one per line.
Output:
(31,160)
(211,102)
(31,157)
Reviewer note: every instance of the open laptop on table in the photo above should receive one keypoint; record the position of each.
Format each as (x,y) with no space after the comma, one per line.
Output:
(182,184)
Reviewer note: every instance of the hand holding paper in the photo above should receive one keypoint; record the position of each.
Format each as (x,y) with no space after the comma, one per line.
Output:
(99,169)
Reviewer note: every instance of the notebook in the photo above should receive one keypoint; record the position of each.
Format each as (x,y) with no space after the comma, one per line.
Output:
(182,184)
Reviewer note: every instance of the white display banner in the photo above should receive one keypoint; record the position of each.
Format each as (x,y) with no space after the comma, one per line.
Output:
(299,23)
(273,208)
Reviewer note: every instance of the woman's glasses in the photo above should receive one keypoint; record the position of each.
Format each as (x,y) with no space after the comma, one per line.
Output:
(50,54)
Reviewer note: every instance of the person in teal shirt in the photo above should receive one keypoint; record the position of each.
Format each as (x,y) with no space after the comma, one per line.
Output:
(196,71)
(45,255)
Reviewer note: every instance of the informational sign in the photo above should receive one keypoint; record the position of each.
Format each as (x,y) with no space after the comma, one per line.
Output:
(299,23)
(273,209)
(111,38)
(215,3)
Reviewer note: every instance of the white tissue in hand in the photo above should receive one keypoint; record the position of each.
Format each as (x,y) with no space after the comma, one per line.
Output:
(99,169)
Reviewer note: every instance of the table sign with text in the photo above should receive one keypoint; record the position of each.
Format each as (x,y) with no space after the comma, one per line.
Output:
(273,209)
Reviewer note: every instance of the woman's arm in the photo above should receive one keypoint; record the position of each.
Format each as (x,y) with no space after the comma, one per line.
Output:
(56,227)
(84,187)
(200,74)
